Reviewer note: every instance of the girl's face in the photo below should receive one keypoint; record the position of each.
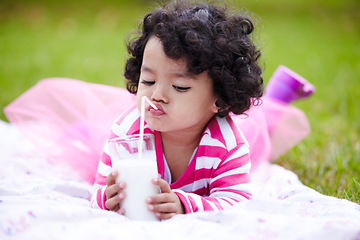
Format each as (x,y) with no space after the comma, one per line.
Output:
(186,101)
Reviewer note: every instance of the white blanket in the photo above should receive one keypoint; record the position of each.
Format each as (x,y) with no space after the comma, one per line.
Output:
(39,200)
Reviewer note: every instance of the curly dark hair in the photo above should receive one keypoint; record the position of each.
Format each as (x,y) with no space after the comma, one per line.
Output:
(210,39)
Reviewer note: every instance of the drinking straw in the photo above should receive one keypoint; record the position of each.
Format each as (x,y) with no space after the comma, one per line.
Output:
(142,122)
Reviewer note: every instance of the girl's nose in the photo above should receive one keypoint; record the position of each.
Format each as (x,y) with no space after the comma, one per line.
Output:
(160,94)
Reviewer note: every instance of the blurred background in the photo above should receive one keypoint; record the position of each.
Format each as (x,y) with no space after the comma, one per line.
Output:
(319,39)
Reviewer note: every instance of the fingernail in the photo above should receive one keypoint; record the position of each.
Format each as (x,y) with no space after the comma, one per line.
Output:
(151,207)
(121,195)
(121,185)
(148,200)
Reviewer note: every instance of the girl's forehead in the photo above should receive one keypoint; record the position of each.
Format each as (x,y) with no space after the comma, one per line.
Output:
(155,57)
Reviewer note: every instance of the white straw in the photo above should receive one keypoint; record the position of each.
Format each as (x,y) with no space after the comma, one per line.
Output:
(142,122)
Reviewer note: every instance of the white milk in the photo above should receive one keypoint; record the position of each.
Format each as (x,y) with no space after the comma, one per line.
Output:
(137,175)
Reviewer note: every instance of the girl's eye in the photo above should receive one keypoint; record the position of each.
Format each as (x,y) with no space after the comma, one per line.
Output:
(147,83)
(181,89)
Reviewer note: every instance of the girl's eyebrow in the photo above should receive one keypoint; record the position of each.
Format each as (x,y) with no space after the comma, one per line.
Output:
(185,75)
(146,69)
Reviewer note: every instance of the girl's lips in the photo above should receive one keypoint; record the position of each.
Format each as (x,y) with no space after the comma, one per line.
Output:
(157,112)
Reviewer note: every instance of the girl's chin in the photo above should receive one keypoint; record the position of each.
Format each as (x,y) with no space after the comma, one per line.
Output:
(154,126)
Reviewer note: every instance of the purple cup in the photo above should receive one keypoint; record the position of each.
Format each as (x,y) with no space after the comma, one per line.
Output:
(287,86)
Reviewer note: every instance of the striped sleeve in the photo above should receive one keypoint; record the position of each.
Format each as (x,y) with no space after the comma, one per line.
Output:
(225,153)
(104,169)
(229,186)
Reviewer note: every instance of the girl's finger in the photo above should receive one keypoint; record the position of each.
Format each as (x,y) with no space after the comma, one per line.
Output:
(121,211)
(164,207)
(160,198)
(163,185)
(164,216)
(110,179)
(112,190)
(113,203)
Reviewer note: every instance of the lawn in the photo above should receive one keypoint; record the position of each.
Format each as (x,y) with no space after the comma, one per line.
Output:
(319,39)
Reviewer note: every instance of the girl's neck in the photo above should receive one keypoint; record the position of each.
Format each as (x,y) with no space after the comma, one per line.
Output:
(182,140)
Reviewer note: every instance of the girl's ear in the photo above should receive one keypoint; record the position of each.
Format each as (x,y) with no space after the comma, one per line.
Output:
(221,106)
(214,108)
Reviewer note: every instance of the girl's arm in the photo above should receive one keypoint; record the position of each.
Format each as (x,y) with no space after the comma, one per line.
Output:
(229,185)
(98,197)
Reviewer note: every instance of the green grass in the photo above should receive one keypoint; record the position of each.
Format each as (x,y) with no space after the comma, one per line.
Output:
(319,39)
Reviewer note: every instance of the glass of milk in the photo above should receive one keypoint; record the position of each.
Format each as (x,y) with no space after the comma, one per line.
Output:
(136,170)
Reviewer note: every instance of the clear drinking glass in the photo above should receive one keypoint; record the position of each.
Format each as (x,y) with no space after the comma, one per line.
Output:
(136,169)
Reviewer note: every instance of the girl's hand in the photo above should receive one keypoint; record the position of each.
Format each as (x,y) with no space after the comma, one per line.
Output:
(166,204)
(114,193)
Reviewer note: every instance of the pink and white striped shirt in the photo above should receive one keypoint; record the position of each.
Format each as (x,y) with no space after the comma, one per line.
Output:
(217,176)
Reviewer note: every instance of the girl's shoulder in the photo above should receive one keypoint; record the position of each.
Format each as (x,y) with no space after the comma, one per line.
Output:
(127,123)
(223,133)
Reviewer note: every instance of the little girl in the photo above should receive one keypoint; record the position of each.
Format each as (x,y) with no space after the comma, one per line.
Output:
(197,64)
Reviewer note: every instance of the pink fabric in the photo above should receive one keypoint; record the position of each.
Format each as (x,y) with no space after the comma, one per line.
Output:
(69,120)
(272,129)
